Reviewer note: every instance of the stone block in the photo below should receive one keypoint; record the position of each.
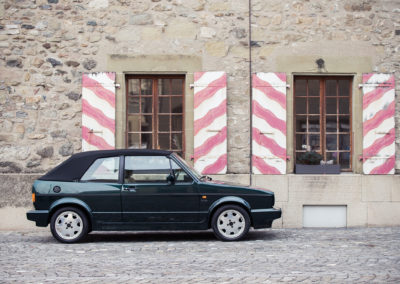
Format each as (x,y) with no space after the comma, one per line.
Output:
(181,30)
(276,183)
(216,48)
(239,51)
(16,189)
(396,189)
(377,188)
(151,33)
(98,4)
(357,214)
(384,214)
(325,189)
(206,32)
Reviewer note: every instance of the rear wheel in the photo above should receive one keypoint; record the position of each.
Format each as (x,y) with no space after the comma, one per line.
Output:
(230,223)
(69,225)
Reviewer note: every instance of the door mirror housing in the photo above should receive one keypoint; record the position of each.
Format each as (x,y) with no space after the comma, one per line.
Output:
(171,179)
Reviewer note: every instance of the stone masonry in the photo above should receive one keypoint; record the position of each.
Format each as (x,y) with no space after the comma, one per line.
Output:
(45,45)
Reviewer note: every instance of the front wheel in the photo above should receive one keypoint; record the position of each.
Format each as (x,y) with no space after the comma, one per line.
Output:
(69,225)
(230,223)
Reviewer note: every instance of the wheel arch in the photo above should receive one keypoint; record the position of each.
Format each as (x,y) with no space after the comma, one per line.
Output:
(71,202)
(229,200)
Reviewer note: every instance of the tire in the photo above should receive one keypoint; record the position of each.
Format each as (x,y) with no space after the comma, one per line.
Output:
(230,223)
(69,225)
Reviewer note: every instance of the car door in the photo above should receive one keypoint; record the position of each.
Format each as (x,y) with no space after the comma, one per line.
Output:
(100,189)
(150,200)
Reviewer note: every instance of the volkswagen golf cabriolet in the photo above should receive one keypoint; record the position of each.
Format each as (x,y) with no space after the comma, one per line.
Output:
(128,189)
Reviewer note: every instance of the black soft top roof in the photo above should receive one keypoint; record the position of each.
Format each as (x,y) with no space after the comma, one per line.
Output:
(73,168)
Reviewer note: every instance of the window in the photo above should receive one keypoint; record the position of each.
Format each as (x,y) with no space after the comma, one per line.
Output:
(104,169)
(323,118)
(155,112)
(152,169)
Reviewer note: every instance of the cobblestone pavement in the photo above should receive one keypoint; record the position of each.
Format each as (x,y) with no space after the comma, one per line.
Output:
(363,255)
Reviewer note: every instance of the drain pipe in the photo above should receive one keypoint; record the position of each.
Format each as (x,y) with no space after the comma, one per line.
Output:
(251,99)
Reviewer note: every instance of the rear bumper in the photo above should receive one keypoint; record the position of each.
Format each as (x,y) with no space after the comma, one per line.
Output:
(41,217)
(263,218)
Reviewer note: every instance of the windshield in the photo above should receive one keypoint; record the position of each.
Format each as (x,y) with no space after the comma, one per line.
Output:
(193,171)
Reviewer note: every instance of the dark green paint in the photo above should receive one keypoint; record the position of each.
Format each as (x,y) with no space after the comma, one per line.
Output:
(151,206)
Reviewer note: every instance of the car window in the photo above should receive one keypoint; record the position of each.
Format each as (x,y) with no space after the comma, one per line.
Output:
(104,169)
(180,175)
(145,169)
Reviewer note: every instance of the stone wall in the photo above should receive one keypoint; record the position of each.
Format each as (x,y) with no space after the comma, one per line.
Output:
(45,45)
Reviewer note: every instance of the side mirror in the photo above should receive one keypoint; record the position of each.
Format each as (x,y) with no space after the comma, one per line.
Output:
(171,179)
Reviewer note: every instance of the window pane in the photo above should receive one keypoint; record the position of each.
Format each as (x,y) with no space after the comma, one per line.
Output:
(300,87)
(301,107)
(146,141)
(344,107)
(301,142)
(344,160)
(344,88)
(133,123)
(163,105)
(332,156)
(313,124)
(163,123)
(133,105)
(147,105)
(344,142)
(146,124)
(180,174)
(164,87)
(331,105)
(103,169)
(314,140)
(146,169)
(344,124)
(176,141)
(331,141)
(133,87)
(177,86)
(331,124)
(163,141)
(176,105)
(133,140)
(330,88)
(313,88)
(301,123)
(313,105)
(146,87)
(176,123)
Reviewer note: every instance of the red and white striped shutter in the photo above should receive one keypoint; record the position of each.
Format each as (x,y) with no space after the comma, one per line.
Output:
(98,111)
(210,131)
(378,124)
(269,123)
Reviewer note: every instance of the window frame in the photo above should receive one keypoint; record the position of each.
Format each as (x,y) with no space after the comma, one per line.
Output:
(117,180)
(322,115)
(155,113)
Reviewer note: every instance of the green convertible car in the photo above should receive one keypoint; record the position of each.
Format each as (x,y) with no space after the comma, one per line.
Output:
(127,189)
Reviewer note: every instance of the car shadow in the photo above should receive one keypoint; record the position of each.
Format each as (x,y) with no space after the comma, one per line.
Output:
(173,236)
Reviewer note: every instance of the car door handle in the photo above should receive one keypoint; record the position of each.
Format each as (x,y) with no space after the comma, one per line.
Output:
(130,188)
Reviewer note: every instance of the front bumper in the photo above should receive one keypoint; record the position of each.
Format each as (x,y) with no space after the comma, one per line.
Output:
(41,217)
(263,218)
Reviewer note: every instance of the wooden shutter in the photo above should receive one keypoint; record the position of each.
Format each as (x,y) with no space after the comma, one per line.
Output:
(98,111)
(269,123)
(210,131)
(378,124)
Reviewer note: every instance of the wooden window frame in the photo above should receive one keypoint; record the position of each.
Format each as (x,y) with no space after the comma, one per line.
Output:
(322,116)
(155,112)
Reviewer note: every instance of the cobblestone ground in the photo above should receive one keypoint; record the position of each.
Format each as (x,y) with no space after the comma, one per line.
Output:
(367,255)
